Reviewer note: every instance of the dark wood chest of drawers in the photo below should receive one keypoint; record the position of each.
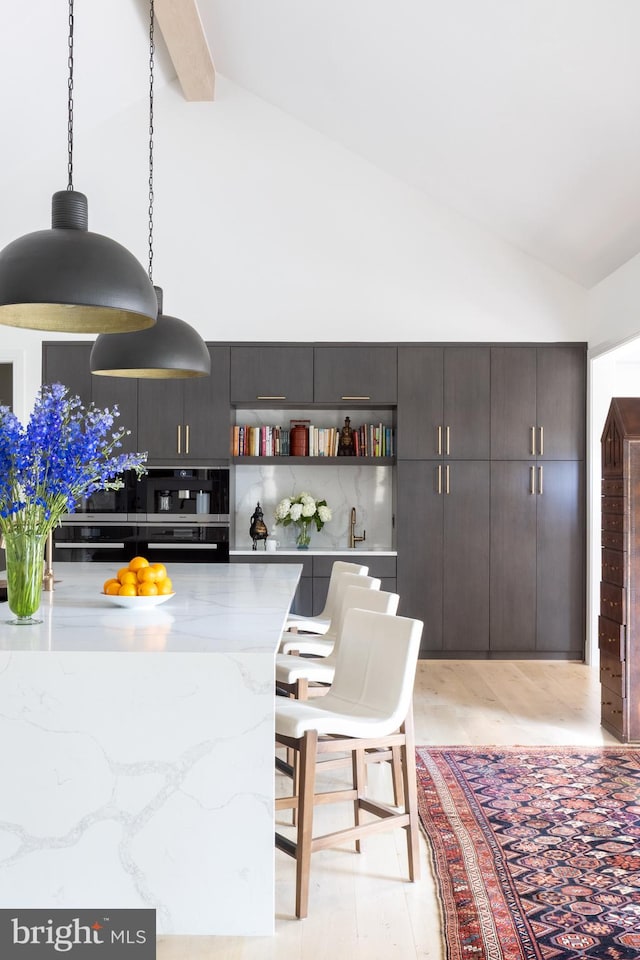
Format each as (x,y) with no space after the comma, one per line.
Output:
(619,621)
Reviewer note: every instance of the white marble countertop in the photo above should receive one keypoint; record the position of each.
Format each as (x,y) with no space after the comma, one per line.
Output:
(217,608)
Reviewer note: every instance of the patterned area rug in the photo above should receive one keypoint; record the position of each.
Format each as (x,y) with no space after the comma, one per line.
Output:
(536,850)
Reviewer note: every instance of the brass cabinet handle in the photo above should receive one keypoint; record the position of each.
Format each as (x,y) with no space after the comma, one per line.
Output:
(533,441)
(355,398)
(532,480)
(439,439)
(265,397)
(448,435)
(540,480)
(179,438)
(186,439)
(541,441)
(439,472)
(446,479)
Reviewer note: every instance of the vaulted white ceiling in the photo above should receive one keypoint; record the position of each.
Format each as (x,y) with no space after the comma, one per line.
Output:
(523,115)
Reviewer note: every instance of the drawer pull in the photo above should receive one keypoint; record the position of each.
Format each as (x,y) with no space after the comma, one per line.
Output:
(355,398)
(265,397)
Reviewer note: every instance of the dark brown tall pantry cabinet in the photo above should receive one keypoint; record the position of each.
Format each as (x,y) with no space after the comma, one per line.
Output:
(619,621)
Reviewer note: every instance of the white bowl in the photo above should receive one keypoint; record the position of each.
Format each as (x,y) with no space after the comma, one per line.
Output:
(138,603)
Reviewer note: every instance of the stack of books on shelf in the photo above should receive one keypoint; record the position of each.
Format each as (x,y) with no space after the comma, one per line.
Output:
(264,441)
(369,440)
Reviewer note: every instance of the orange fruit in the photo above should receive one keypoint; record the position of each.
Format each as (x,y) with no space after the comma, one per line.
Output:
(147,590)
(128,590)
(161,570)
(108,582)
(146,575)
(112,587)
(120,573)
(164,586)
(138,562)
(128,576)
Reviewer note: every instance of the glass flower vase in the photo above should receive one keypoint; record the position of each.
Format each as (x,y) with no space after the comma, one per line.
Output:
(24,561)
(303,537)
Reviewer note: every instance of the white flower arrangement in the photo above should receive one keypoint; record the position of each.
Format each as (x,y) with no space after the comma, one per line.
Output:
(302,510)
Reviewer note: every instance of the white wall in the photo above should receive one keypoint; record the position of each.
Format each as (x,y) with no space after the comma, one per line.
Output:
(614,308)
(265,229)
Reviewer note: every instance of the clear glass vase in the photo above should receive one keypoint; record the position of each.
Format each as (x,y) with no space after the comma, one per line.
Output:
(24,561)
(303,537)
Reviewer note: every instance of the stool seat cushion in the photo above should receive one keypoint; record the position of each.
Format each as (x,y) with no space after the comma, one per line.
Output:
(290,669)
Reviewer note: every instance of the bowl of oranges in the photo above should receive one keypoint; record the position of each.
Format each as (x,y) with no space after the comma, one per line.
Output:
(138,585)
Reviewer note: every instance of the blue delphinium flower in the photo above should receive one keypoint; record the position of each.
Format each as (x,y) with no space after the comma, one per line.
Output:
(66,452)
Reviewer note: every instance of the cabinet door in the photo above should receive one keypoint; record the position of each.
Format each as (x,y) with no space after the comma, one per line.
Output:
(187,421)
(538,402)
(207,411)
(465,612)
(444,402)
(108,391)
(467,390)
(260,374)
(419,524)
(560,569)
(561,401)
(513,556)
(420,398)
(513,403)
(363,373)
(160,409)
(68,363)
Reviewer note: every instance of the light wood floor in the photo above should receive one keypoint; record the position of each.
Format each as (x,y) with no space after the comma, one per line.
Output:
(361,906)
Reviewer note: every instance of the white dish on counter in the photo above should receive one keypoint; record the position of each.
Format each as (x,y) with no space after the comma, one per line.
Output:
(138,603)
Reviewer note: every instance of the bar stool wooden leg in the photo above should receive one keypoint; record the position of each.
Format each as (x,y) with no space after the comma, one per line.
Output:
(411,795)
(360,786)
(307,763)
(397,776)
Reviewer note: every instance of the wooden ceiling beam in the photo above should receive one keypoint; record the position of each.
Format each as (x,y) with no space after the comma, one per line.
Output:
(181,26)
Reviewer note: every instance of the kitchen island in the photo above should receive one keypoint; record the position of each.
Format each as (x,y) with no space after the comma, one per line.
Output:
(137,748)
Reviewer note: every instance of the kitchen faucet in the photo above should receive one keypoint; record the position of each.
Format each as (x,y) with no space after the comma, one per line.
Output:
(352,531)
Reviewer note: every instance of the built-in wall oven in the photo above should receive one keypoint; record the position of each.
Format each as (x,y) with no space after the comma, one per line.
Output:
(170,515)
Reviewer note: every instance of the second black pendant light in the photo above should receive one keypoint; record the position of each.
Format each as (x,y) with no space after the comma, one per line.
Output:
(171,349)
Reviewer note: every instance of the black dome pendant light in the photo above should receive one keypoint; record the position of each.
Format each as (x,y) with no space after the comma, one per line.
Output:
(171,349)
(67,278)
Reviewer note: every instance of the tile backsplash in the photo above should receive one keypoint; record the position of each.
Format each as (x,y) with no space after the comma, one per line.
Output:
(368,488)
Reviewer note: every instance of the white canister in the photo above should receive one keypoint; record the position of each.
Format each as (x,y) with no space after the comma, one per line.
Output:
(202,502)
(272,544)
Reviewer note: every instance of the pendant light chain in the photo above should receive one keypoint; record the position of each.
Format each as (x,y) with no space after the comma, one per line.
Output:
(151,64)
(70,102)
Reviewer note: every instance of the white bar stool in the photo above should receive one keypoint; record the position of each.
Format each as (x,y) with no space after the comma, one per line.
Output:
(367,708)
(321,645)
(320,624)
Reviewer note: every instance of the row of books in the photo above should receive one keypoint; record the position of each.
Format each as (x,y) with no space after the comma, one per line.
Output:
(369,440)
